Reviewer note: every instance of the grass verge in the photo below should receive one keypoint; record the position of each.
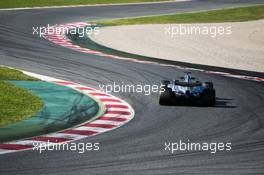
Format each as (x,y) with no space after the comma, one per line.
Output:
(16,104)
(214,16)
(12,74)
(43,3)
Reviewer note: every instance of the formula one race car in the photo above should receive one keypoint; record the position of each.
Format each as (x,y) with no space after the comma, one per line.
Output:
(187,91)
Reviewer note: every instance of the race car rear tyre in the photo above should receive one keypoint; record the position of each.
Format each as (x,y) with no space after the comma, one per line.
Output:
(166,96)
(208,97)
(208,85)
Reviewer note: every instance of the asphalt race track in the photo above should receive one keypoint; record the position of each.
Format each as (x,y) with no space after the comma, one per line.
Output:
(137,147)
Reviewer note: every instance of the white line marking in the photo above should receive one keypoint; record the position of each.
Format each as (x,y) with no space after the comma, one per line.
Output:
(85,128)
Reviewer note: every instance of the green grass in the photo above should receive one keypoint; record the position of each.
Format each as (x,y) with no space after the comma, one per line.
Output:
(15,104)
(12,74)
(215,16)
(42,3)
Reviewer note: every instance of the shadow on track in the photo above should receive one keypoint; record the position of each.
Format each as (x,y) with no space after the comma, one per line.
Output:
(223,103)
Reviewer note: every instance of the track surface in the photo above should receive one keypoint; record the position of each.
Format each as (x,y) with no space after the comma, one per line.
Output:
(138,147)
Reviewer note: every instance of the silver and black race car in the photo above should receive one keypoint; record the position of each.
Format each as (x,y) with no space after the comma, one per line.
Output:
(188,91)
